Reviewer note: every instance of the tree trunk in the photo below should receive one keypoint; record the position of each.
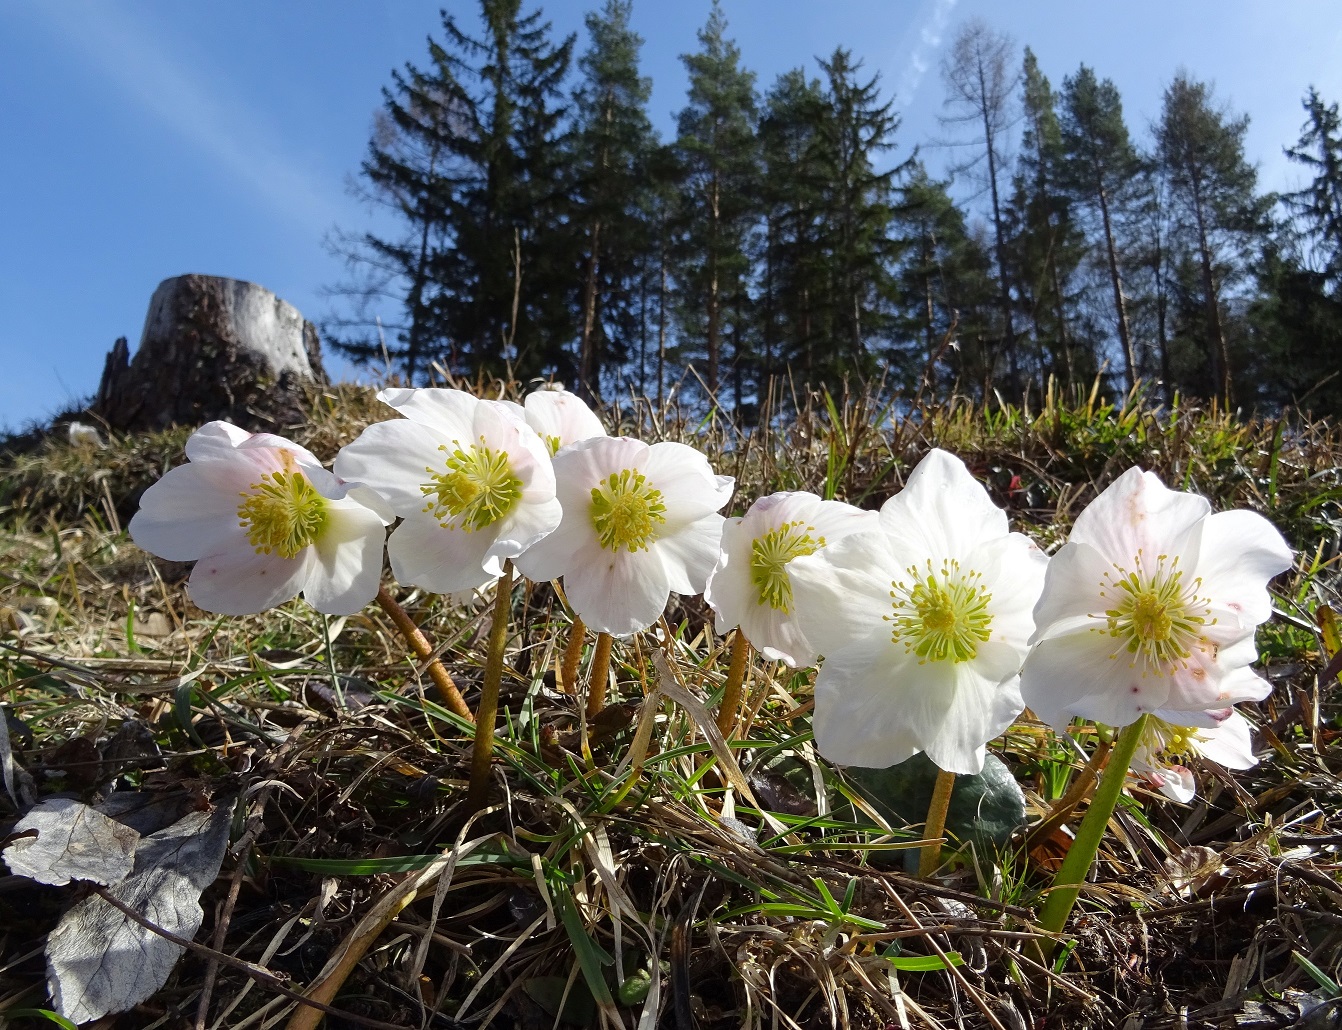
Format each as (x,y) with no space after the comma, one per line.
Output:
(1120,303)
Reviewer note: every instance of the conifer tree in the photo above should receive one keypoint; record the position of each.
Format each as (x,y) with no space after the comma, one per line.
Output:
(1046,247)
(717,150)
(1218,214)
(944,290)
(1099,169)
(1318,207)
(854,135)
(484,194)
(793,283)
(612,165)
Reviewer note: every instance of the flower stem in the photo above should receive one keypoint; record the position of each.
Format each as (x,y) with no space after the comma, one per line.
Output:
(1081,855)
(419,643)
(936,823)
(596,687)
(736,677)
(568,672)
(483,751)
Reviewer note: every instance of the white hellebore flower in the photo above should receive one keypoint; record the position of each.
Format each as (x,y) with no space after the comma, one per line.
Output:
(923,625)
(561,418)
(264,521)
(639,522)
(1151,604)
(471,480)
(1221,736)
(750,586)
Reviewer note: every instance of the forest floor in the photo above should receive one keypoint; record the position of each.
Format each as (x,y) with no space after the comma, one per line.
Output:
(588,892)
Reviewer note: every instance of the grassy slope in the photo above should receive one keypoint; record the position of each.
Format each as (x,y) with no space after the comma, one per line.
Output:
(349,762)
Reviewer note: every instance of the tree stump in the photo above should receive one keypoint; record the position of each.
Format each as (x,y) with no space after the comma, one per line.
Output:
(212,348)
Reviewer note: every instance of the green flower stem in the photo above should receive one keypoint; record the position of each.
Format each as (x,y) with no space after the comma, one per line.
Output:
(486,712)
(930,857)
(1081,855)
(596,687)
(568,672)
(736,677)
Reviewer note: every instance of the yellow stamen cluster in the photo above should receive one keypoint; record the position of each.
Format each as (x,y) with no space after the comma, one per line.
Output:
(477,485)
(283,513)
(1165,738)
(1155,616)
(940,613)
(769,555)
(626,511)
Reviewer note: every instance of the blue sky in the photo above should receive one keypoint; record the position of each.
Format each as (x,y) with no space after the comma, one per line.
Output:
(149,138)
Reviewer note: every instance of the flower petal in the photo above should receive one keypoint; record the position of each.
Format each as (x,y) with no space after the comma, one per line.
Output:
(240,581)
(348,566)
(1079,674)
(449,411)
(1239,552)
(393,458)
(1137,512)
(443,559)
(689,554)
(842,593)
(689,488)
(193,510)
(619,593)
(943,511)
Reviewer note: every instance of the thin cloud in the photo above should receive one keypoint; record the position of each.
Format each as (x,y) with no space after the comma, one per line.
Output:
(920,59)
(201,113)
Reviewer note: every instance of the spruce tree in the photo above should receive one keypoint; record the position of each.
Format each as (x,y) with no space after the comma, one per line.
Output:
(1218,215)
(854,138)
(1046,246)
(1318,207)
(477,165)
(717,149)
(944,291)
(1099,169)
(793,266)
(613,146)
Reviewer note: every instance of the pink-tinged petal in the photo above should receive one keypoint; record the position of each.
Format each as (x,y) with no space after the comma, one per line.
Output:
(561,416)
(689,488)
(619,593)
(394,458)
(1137,512)
(841,594)
(1229,744)
(451,412)
(193,510)
(1238,553)
(1176,782)
(1080,674)
(348,566)
(689,554)
(943,511)
(215,441)
(1242,684)
(424,553)
(1073,589)
(262,442)
(240,581)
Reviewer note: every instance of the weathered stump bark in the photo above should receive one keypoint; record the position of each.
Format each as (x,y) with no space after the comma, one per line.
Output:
(212,348)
